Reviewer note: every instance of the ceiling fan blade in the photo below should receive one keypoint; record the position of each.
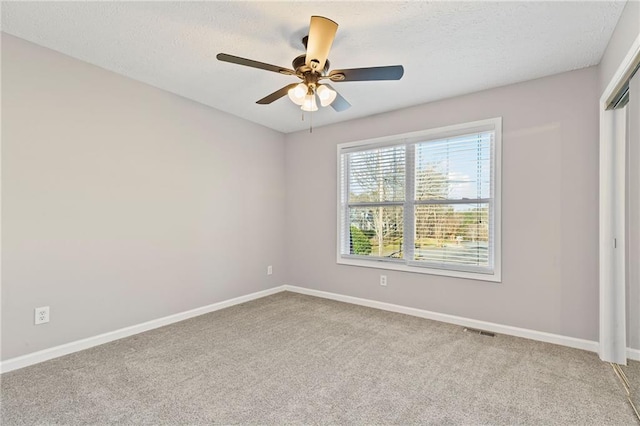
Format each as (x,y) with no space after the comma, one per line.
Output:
(322,31)
(254,64)
(276,95)
(339,103)
(392,72)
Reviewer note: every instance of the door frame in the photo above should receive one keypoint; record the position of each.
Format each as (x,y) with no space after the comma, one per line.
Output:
(612,229)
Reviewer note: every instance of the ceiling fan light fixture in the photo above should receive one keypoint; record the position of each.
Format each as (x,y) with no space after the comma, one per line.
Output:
(312,67)
(297,94)
(326,95)
(309,103)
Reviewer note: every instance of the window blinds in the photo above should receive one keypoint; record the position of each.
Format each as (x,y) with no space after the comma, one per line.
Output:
(421,202)
(453,201)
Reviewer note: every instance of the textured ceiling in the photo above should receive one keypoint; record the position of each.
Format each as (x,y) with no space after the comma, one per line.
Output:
(447,48)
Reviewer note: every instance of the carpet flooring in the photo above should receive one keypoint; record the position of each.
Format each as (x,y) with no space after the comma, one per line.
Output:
(295,359)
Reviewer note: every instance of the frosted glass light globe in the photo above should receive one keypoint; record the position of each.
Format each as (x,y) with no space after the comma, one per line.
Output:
(326,95)
(309,103)
(298,93)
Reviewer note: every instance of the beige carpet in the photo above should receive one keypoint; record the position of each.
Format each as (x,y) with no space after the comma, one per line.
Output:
(293,359)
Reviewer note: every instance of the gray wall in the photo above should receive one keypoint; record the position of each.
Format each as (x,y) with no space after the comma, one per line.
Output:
(123,203)
(549,216)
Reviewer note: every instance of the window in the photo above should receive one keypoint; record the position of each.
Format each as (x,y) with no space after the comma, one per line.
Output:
(423,202)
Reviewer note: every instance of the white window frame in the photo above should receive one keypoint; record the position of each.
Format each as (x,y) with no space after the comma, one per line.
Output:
(492,124)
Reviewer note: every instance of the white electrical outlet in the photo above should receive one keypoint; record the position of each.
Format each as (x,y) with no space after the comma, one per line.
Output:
(383,280)
(41,315)
(269,270)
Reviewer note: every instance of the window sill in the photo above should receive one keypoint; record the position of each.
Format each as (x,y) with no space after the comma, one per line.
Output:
(400,266)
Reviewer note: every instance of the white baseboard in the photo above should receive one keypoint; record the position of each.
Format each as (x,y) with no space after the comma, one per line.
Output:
(67,348)
(541,336)
(78,345)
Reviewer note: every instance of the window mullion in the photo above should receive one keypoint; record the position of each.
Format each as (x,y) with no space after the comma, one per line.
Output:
(454,201)
(409,198)
(376,203)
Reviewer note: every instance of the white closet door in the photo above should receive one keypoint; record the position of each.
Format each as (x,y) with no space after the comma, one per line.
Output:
(612,237)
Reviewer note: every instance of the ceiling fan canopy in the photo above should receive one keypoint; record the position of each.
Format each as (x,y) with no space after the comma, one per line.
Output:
(313,67)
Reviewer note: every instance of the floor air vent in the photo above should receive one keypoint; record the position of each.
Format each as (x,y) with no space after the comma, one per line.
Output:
(480,332)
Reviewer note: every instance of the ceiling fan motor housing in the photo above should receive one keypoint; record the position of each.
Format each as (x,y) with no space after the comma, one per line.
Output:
(299,64)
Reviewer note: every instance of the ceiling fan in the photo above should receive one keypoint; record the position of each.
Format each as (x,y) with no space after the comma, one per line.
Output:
(313,67)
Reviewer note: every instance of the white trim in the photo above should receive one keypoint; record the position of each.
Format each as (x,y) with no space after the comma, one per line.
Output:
(620,73)
(407,267)
(426,135)
(79,345)
(89,342)
(612,294)
(572,342)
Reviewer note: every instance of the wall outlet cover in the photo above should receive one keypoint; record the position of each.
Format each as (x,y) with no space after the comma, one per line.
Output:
(41,315)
